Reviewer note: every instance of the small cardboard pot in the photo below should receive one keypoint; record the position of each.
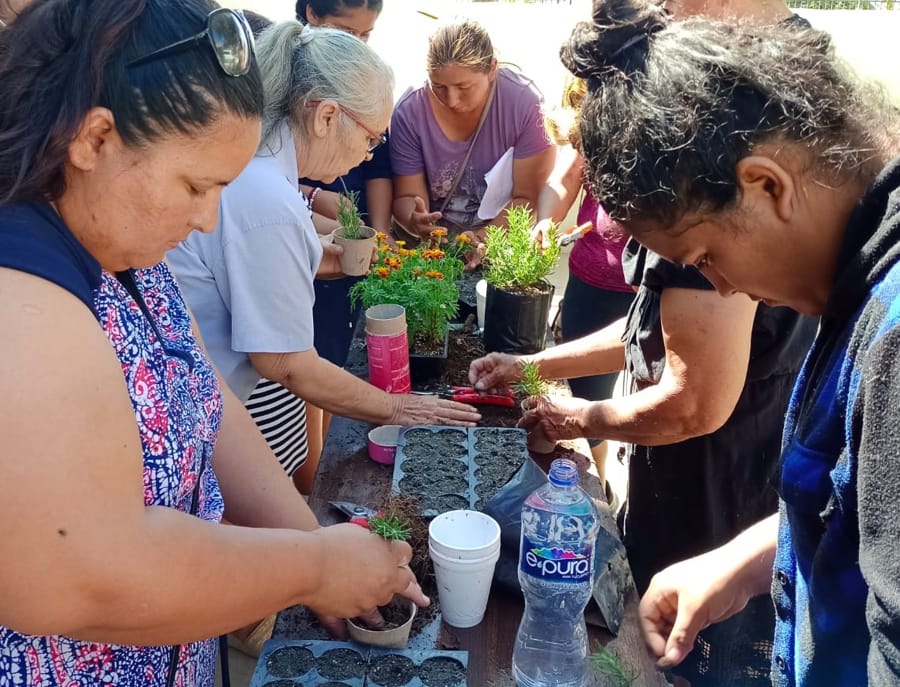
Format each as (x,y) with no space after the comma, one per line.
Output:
(387,348)
(357,255)
(394,638)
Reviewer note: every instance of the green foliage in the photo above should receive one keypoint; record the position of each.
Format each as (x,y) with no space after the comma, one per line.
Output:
(609,669)
(514,260)
(531,383)
(390,526)
(348,215)
(422,280)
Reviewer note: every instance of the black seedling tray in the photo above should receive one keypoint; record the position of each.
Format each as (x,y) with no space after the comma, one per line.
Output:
(446,474)
(299,663)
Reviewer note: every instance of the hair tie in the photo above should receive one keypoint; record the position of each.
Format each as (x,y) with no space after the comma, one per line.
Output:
(634,40)
(307,33)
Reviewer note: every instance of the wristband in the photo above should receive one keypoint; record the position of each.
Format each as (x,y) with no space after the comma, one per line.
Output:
(312,197)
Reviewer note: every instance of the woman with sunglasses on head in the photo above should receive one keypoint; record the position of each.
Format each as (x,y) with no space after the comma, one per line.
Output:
(250,282)
(447,134)
(120,123)
(778,176)
(276,410)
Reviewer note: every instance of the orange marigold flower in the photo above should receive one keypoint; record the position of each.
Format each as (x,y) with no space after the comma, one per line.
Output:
(393,262)
(433,254)
(434,274)
(382,272)
(438,233)
(383,249)
(380,236)
(463,238)
(404,252)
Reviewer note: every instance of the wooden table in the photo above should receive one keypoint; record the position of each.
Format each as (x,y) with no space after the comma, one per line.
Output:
(346,474)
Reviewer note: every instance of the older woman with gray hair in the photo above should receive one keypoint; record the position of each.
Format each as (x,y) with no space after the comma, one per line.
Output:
(250,282)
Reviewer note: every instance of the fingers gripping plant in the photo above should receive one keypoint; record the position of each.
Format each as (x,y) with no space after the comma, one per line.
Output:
(390,526)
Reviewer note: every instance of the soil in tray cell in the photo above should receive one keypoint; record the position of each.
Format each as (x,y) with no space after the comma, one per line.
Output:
(341,664)
(391,670)
(442,671)
(281,683)
(442,503)
(425,485)
(425,449)
(435,465)
(420,433)
(290,661)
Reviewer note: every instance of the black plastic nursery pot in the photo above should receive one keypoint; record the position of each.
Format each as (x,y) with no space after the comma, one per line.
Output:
(427,367)
(516,322)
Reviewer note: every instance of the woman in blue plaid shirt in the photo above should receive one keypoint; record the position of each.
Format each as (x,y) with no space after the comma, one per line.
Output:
(752,156)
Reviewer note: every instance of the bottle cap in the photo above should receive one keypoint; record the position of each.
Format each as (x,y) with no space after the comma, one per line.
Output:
(563,472)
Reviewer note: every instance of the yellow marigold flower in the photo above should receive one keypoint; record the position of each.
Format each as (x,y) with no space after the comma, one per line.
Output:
(393,262)
(380,236)
(438,233)
(434,274)
(463,238)
(400,244)
(383,249)
(382,272)
(405,252)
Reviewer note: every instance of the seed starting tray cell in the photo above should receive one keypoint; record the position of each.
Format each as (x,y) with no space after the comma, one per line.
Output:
(301,663)
(442,466)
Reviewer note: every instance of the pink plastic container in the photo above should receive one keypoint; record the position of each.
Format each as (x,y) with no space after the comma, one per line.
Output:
(387,348)
(383,443)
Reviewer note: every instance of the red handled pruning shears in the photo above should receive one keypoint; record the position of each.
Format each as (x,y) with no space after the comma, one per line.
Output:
(469,394)
(359,515)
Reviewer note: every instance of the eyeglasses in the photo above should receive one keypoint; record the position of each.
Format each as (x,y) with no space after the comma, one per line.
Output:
(375,140)
(229,35)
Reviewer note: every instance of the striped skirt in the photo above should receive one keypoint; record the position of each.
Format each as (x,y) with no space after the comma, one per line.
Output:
(281,417)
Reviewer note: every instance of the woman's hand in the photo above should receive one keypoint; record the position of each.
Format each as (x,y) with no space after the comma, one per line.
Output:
(360,571)
(421,222)
(475,255)
(556,418)
(684,599)
(415,409)
(330,267)
(495,372)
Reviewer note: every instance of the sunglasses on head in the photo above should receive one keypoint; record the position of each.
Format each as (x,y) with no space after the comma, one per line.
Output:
(228,33)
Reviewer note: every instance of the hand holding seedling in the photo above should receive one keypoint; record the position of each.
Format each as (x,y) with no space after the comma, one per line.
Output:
(495,372)
(557,417)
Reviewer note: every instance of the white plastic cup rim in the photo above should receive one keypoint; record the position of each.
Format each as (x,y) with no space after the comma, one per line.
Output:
(464,535)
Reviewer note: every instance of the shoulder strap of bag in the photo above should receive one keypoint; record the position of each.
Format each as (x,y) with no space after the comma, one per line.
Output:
(465,161)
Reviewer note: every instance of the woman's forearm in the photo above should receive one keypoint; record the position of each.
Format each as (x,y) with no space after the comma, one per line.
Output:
(599,353)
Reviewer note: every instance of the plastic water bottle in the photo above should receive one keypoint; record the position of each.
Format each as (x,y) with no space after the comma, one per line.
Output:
(556,568)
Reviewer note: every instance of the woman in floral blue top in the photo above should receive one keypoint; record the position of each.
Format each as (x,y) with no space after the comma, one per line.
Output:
(121,451)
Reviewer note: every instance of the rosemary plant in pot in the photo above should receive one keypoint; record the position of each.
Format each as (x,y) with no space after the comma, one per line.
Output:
(353,236)
(422,280)
(397,616)
(518,299)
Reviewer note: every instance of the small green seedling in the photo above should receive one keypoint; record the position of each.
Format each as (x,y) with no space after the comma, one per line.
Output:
(531,383)
(348,215)
(390,526)
(609,669)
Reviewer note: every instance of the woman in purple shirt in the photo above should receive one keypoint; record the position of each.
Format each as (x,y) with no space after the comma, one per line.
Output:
(433,128)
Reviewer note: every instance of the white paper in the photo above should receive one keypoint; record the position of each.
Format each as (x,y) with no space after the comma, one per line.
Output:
(499,187)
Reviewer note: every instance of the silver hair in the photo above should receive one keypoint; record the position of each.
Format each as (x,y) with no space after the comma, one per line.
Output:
(300,64)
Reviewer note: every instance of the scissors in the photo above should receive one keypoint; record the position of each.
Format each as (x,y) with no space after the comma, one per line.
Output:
(540,233)
(359,515)
(469,394)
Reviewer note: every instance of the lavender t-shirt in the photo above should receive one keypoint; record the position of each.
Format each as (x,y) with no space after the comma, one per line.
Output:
(418,145)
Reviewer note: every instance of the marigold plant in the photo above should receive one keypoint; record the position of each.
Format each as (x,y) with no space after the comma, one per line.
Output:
(422,280)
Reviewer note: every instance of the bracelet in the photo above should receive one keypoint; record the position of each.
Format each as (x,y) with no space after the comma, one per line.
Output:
(312,197)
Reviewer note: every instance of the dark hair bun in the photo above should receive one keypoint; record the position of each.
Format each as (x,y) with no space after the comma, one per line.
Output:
(616,40)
